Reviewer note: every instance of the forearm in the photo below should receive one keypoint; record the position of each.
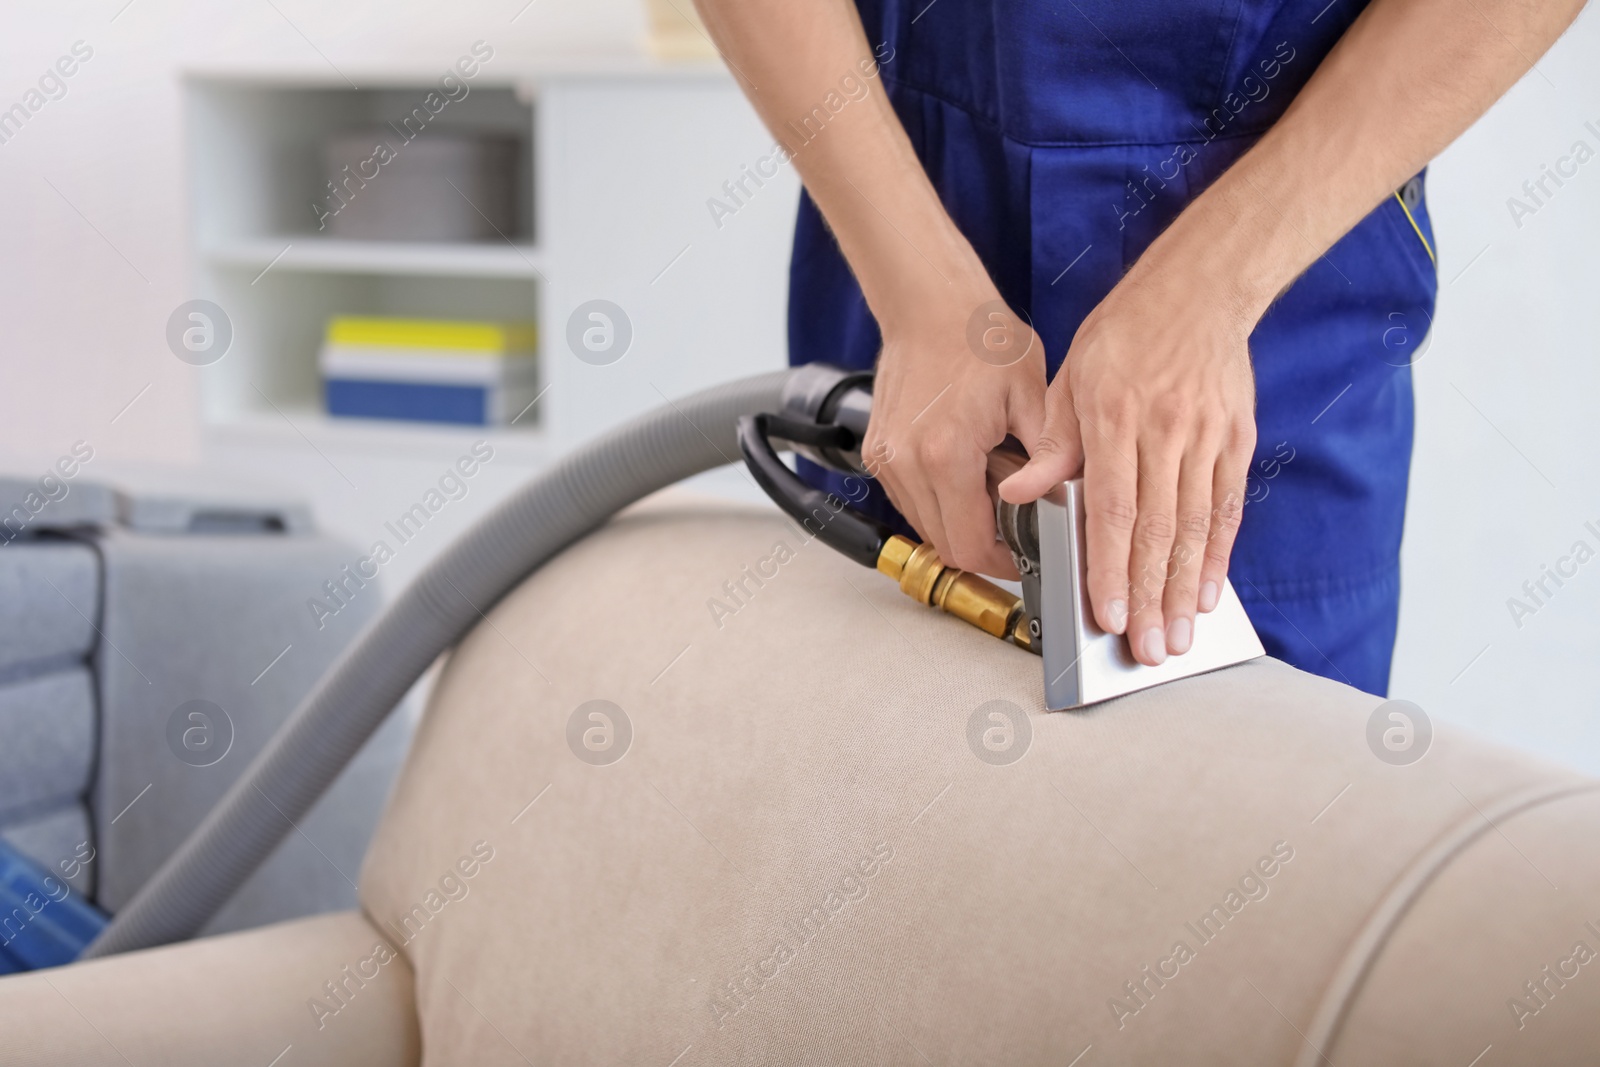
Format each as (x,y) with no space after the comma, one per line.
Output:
(1406,79)
(812,76)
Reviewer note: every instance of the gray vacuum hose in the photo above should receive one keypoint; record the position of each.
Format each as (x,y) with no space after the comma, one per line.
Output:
(350,702)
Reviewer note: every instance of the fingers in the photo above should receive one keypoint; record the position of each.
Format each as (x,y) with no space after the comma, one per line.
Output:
(945,499)
(1002,463)
(939,478)
(957,480)
(1227,508)
(910,498)
(930,522)
(1150,549)
(971,533)
(1111,505)
(1191,532)
(1026,412)
(901,500)
(1174,522)
(1054,444)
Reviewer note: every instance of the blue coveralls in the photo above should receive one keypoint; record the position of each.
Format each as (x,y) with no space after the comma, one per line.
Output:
(1063,136)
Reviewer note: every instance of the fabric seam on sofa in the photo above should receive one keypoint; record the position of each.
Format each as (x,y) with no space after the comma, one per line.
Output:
(1368,944)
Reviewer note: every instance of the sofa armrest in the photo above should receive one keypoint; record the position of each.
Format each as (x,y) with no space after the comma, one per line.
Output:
(328,987)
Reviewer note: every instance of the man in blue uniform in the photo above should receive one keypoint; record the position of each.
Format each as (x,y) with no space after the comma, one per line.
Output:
(1179,247)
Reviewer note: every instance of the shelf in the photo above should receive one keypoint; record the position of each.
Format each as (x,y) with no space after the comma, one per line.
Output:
(585,211)
(333,256)
(521,70)
(300,426)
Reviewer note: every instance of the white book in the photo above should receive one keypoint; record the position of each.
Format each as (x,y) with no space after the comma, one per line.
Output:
(436,366)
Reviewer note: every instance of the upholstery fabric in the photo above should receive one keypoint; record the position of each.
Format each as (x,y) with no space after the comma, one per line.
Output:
(48,726)
(1508,913)
(56,839)
(187,621)
(49,597)
(807,853)
(234,999)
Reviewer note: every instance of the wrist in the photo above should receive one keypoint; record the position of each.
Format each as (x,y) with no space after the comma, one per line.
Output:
(1230,247)
(916,270)
(935,311)
(908,303)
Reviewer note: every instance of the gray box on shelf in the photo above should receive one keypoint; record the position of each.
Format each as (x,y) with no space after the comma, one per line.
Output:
(437,187)
(172,588)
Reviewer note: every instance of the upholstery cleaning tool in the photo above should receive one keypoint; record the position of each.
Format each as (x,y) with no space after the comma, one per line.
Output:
(821,411)
(824,418)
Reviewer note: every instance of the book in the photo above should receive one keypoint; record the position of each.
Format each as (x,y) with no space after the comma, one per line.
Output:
(429,370)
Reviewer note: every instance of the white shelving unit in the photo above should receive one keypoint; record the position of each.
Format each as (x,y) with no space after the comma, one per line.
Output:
(334,256)
(620,156)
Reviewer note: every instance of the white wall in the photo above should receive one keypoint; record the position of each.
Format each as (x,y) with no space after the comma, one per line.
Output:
(1508,398)
(92,260)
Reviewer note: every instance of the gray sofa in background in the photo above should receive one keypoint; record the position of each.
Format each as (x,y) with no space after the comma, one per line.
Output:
(49,595)
(154,633)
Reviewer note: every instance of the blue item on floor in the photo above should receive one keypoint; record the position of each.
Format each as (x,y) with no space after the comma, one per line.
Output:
(42,922)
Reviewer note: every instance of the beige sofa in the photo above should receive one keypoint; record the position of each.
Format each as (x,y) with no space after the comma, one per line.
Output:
(818,847)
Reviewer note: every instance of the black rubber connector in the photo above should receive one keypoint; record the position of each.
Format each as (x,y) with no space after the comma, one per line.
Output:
(825,515)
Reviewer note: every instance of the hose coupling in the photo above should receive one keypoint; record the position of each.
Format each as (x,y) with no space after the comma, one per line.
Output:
(924,578)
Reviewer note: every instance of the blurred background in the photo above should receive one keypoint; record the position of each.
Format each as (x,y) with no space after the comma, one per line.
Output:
(191,155)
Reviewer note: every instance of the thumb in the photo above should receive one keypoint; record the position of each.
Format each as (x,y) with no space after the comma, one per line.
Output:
(1055,449)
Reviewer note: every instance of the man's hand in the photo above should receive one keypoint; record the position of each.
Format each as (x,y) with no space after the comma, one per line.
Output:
(948,390)
(1156,403)
(1156,395)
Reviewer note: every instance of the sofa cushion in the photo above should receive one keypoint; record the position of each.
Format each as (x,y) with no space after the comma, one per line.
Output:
(244,998)
(818,847)
(1498,957)
(49,595)
(48,725)
(61,841)
(217,630)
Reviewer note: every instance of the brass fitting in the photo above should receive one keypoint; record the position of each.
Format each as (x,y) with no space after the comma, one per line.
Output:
(924,578)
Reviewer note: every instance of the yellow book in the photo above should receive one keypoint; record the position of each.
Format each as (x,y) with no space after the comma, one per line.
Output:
(439,335)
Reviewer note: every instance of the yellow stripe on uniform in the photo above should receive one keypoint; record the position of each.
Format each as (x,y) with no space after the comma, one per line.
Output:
(1412,219)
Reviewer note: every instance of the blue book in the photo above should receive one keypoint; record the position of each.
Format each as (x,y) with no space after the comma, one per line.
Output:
(43,922)
(417,401)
